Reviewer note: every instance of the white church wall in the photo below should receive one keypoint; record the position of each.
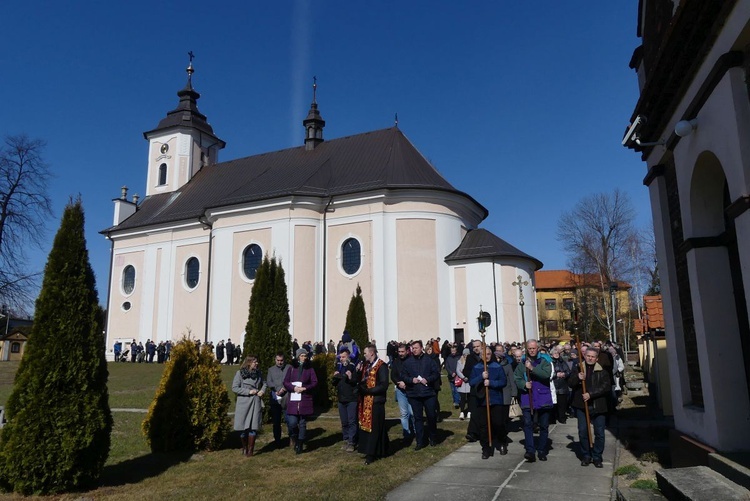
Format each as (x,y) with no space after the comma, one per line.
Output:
(189,305)
(416,262)
(304,281)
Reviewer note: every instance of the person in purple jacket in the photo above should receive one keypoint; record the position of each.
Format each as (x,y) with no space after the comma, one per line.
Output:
(532,377)
(300,381)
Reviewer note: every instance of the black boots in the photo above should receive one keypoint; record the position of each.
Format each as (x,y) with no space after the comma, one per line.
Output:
(298,446)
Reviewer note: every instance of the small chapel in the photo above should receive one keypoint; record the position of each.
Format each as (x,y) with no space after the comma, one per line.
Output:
(365,210)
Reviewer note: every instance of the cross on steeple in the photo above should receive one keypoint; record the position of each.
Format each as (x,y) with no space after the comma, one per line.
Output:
(520,285)
(315,89)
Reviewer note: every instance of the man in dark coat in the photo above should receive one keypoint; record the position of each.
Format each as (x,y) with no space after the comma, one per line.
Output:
(279,395)
(407,415)
(230,351)
(419,373)
(346,380)
(220,351)
(595,397)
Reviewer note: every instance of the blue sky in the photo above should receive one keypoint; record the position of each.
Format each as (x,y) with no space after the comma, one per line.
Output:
(520,104)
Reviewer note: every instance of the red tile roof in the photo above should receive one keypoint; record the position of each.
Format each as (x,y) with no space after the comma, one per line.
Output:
(653,317)
(565,279)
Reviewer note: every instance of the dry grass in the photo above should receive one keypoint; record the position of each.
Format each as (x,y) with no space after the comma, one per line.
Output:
(322,472)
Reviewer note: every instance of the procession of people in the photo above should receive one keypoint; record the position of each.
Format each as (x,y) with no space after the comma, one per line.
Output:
(542,384)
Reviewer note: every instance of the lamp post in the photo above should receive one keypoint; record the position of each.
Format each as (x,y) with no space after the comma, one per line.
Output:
(613,291)
(483,321)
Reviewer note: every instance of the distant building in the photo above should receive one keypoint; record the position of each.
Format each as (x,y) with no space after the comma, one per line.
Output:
(691,126)
(561,295)
(13,338)
(367,209)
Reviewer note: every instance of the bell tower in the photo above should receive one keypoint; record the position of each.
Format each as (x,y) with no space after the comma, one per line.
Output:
(182,143)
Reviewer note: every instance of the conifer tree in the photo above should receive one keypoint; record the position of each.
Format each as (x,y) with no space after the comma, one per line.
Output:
(189,410)
(59,422)
(267,330)
(356,319)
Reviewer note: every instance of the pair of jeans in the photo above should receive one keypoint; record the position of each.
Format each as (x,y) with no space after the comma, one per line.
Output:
(297,426)
(454,394)
(543,415)
(348,416)
(276,414)
(598,421)
(428,405)
(407,414)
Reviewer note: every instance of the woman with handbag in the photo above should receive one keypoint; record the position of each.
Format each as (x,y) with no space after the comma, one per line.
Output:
(462,385)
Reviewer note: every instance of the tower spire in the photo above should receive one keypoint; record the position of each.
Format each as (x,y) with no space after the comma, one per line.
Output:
(314,123)
(190,70)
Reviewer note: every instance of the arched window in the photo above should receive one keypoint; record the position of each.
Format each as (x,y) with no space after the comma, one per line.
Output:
(351,256)
(192,272)
(252,256)
(128,279)
(162,174)
(15,347)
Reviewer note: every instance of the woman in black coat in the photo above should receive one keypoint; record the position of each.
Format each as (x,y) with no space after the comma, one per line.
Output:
(560,373)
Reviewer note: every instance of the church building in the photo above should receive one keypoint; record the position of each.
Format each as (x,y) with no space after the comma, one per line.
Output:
(365,210)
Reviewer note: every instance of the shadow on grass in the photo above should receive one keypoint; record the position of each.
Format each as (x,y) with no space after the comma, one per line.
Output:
(138,469)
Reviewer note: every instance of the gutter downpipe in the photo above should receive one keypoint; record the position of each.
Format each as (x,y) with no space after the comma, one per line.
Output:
(325,275)
(494,289)
(204,221)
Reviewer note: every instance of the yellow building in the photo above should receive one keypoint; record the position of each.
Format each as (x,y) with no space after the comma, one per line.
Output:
(562,294)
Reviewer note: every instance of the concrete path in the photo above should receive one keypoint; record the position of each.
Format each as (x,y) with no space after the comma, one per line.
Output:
(465,475)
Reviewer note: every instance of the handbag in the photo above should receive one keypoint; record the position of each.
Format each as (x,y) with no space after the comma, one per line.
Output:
(515,409)
(458,382)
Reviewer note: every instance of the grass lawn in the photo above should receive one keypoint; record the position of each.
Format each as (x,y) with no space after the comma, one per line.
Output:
(322,472)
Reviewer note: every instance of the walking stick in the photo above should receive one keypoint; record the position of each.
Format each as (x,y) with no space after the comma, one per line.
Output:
(582,368)
(486,392)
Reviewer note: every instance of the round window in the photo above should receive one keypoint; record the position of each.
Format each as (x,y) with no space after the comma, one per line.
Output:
(128,279)
(351,256)
(126,305)
(192,272)
(252,256)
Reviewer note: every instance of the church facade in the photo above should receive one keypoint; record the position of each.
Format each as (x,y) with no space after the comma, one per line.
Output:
(365,210)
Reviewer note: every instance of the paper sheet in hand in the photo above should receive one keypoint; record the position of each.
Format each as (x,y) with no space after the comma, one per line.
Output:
(296,397)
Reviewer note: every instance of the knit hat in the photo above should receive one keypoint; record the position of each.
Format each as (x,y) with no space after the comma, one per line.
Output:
(299,352)
(466,351)
(346,337)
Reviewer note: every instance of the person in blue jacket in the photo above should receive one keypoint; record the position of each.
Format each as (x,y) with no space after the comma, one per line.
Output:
(494,380)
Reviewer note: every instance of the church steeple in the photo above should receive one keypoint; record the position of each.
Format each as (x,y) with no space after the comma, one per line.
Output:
(182,144)
(314,123)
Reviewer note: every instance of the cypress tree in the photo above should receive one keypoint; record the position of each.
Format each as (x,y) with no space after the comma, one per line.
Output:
(267,329)
(189,410)
(356,319)
(59,422)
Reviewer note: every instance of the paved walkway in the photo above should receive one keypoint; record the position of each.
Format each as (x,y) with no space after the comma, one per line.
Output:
(465,475)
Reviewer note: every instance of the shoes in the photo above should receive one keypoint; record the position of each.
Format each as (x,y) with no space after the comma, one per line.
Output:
(349,448)
(456,406)
(598,464)
(542,457)
(529,456)
(369,460)
(419,447)
(433,443)
(470,438)
(585,461)
(461,416)
(487,453)
(503,449)
(344,446)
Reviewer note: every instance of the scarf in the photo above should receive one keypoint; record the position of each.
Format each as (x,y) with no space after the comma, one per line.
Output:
(247,373)
(366,401)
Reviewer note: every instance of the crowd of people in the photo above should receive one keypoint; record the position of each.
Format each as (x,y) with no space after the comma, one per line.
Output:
(549,383)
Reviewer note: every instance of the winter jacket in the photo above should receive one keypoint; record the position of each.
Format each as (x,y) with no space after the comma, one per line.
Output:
(541,393)
(346,387)
(561,384)
(451,361)
(465,387)
(309,381)
(423,366)
(249,410)
(597,385)
(497,380)
(510,390)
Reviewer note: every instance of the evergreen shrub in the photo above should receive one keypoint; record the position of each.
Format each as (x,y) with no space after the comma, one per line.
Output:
(189,410)
(325,394)
(356,320)
(58,433)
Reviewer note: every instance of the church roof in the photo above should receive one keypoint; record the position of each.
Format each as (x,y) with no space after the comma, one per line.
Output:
(482,244)
(382,159)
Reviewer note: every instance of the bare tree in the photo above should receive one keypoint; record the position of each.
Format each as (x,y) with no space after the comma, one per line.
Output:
(24,210)
(598,235)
